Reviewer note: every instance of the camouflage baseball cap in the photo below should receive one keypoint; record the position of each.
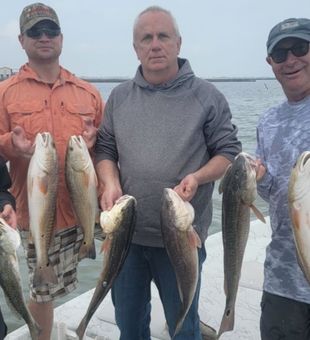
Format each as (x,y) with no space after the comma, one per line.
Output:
(35,13)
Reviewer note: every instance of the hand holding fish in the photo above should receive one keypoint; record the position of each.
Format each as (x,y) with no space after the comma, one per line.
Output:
(20,142)
(110,195)
(90,133)
(260,170)
(187,188)
(9,215)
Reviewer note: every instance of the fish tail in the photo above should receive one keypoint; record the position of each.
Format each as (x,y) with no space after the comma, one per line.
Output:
(88,251)
(228,321)
(44,274)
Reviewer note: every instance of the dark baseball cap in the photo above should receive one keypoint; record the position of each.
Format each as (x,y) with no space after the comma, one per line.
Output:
(34,13)
(289,28)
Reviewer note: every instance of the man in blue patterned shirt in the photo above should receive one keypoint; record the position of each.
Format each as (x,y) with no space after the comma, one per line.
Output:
(283,133)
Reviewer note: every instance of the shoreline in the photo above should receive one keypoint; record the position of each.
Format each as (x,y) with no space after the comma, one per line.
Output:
(212,80)
(123,79)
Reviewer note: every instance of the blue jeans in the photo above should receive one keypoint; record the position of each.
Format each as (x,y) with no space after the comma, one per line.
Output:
(131,294)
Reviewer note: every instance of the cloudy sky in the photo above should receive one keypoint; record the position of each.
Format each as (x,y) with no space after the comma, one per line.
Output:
(221,38)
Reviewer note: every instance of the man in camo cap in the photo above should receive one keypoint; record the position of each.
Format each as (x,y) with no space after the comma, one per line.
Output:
(45,97)
(35,13)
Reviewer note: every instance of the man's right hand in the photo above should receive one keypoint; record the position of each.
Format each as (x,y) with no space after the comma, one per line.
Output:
(20,142)
(109,196)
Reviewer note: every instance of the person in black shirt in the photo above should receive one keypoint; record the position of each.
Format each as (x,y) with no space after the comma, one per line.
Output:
(7,212)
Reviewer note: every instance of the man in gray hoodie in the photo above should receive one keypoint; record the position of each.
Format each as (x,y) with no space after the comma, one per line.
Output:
(164,128)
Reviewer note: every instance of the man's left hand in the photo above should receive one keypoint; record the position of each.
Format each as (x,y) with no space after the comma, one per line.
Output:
(187,188)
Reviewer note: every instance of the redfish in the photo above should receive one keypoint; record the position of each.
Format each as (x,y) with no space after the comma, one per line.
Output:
(299,207)
(118,226)
(10,279)
(82,186)
(239,193)
(42,182)
(181,242)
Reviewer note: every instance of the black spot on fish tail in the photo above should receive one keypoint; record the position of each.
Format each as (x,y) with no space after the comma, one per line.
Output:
(43,275)
(87,251)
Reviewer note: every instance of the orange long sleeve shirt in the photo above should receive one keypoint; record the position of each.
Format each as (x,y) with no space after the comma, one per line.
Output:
(28,102)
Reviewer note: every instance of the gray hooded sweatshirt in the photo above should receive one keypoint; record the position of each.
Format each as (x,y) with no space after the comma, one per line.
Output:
(158,134)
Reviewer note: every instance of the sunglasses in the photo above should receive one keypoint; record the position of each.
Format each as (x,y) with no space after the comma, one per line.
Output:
(37,33)
(300,49)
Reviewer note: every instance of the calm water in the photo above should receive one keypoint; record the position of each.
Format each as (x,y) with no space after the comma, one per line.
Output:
(247,101)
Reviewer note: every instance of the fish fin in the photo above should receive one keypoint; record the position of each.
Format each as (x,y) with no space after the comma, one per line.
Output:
(86,179)
(295,217)
(194,239)
(222,179)
(43,275)
(87,251)
(228,321)
(106,244)
(257,213)
(43,184)
(97,217)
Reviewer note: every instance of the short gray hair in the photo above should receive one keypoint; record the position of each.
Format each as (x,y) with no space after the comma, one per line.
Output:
(157,9)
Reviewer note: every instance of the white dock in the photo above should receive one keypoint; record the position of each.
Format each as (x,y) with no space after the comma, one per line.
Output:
(212,298)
